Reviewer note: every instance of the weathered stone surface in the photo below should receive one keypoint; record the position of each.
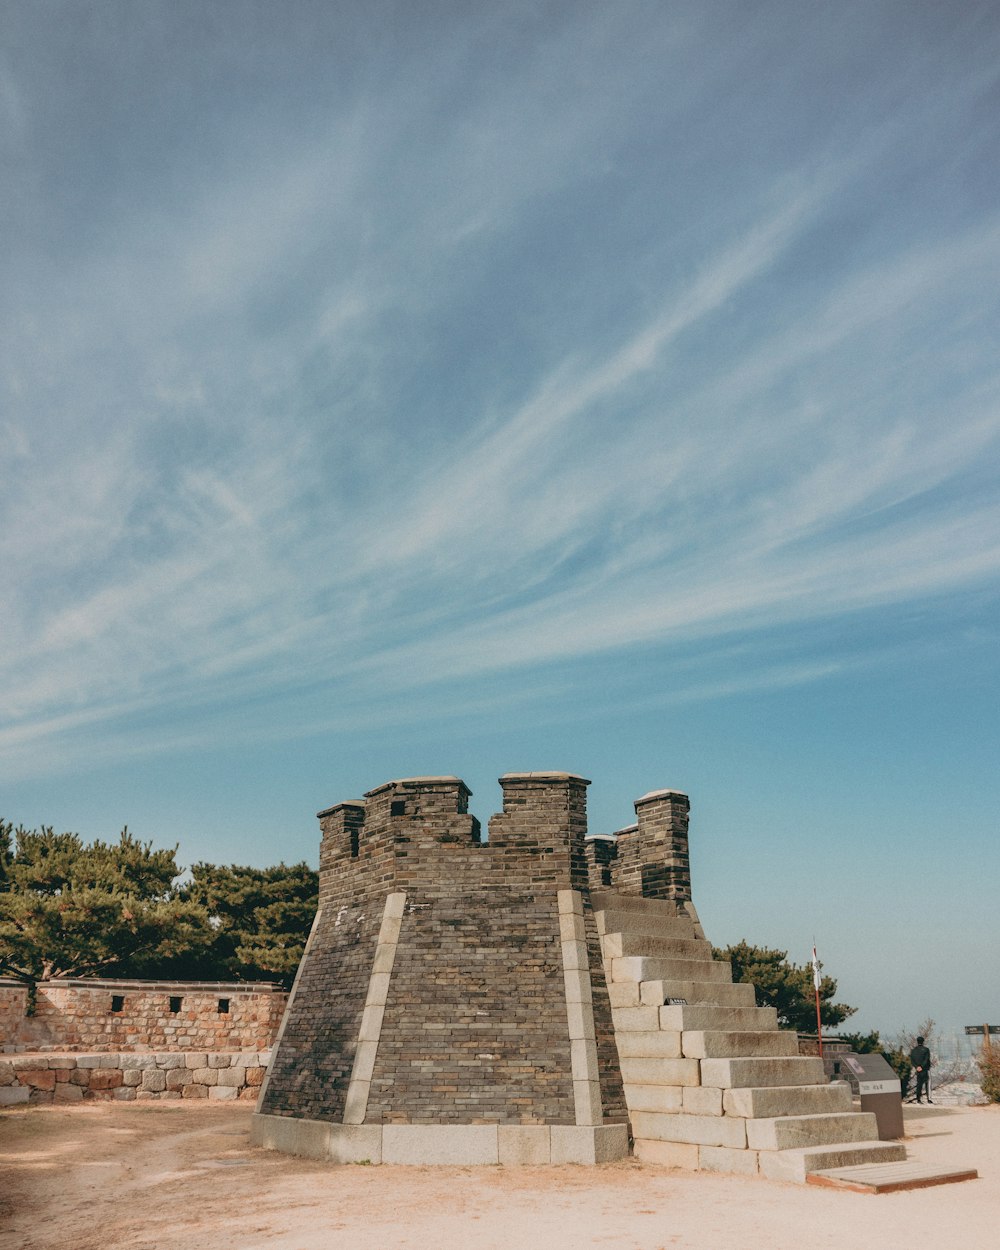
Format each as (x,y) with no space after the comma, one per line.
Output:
(206,1076)
(177,1078)
(701,1130)
(106,1078)
(154,1080)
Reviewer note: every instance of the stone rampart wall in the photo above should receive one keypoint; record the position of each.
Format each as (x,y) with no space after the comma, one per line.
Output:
(47,1078)
(114,1016)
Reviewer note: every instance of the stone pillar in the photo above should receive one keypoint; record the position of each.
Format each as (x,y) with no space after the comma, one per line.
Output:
(653,854)
(542,828)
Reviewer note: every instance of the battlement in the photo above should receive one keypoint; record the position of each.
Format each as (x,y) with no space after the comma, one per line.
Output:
(410,830)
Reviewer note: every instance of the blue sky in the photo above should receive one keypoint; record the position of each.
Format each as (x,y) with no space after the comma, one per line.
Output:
(393,388)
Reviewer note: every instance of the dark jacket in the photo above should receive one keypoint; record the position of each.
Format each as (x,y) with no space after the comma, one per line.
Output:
(920,1057)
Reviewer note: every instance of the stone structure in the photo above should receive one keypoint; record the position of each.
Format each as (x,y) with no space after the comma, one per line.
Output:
(69,1078)
(528,998)
(102,1015)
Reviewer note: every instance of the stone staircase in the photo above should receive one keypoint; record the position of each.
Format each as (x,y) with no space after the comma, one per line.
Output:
(710,1080)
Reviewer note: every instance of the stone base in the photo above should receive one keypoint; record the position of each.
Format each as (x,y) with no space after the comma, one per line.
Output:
(515,1145)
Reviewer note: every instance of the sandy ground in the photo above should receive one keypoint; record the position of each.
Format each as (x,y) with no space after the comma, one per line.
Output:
(120,1176)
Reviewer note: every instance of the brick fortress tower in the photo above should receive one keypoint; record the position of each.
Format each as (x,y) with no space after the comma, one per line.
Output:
(539,997)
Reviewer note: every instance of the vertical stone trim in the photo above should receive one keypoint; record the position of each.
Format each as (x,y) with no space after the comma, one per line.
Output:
(579,1009)
(288,1008)
(356,1105)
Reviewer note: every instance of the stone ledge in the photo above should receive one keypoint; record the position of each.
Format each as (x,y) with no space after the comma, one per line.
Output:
(456,1145)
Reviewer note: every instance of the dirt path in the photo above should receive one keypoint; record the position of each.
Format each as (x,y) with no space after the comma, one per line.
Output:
(119,1176)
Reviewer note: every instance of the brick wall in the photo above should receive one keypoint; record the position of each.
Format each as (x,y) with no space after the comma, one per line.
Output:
(113,1016)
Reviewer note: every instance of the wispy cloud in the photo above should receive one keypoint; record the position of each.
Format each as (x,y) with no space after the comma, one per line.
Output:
(363,413)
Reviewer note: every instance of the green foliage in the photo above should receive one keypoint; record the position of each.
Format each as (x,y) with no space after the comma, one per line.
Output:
(785,986)
(989,1072)
(73,909)
(260,917)
(872,1044)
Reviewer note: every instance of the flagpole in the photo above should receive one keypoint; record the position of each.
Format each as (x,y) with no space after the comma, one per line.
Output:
(816,980)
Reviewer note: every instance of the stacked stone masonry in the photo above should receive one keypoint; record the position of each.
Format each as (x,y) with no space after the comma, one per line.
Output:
(531,997)
(114,1015)
(71,1078)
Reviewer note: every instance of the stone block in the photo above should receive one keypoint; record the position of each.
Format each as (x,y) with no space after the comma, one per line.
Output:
(63,1063)
(110,1061)
(580,1018)
(88,1061)
(80,1076)
(14,1095)
(131,1077)
(787,1100)
(578,988)
(255,1076)
(177,1078)
(583,1059)
(699,1044)
(452,1144)
(136,1061)
(660,1071)
(206,1076)
(66,1091)
(6,1074)
(668,1154)
(574,957)
(378,988)
(570,902)
(746,1073)
(587,1102)
(167,1061)
(37,1078)
(124,1094)
(222,1093)
(154,1080)
(588,1145)
(624,993)
(364,1061)
(655,1098)
(219,1061)
(637,1044)
(234,1077)
(698,1130)
(722,1159)
(385,957)
(705,1016)
(196,1060)
(106,1078)
(371,1023)
(795,1165)
(524,1145)
(356,1102)
(641,1019)
(702,1100)
(194,1091)
(791,1132)
(571,927)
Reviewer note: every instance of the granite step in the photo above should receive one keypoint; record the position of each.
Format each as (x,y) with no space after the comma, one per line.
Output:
(617,945)
(797,1164)
(729,1044)
(796,1131)
(725,994)
(787,1100)
(703,1016)
(647,924)
(642,968)
(745,1073)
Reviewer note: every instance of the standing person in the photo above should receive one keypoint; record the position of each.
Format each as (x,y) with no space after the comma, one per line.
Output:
(920,1057)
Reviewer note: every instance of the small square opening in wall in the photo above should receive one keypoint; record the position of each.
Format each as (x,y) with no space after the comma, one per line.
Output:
(117,1002)
(175,1003)
(397,807)
(223,1007)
